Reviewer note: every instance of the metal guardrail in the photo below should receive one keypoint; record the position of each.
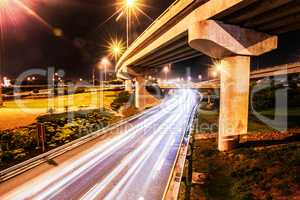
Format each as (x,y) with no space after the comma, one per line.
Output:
(33,162)
(175,176)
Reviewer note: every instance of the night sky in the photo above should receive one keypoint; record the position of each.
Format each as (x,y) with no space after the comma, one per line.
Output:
(29,44)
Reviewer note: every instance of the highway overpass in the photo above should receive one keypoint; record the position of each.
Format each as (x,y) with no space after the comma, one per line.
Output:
(292,68)
(231,31)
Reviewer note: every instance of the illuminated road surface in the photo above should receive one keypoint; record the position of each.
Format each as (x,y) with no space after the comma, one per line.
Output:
(135,164)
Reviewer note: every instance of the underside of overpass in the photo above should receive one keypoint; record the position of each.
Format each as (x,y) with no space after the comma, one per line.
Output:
(231,31)
(274,17)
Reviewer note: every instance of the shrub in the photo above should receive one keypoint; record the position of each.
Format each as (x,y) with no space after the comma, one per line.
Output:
(7,156)
(8,91)
(120,100)
(18,144)
(155,91)
(35,91)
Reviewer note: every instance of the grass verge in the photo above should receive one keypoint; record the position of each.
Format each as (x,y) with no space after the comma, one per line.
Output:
(248,173)
(265,166)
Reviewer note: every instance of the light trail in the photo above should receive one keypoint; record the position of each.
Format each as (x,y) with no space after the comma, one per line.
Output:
(79,166)
(130,176)
(138,163)
(120,160)
(157,167)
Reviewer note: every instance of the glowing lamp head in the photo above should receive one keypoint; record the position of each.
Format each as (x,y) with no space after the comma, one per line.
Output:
(219,67)
(130,3)
(116,50)
(166,69)
(104,61)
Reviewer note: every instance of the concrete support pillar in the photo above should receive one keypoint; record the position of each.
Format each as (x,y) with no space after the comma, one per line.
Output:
(128,86)
(234,100)
(228,43)
(142,97)
(139,92)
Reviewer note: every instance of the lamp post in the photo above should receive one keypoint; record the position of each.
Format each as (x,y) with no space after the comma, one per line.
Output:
(104,63)
(128,7)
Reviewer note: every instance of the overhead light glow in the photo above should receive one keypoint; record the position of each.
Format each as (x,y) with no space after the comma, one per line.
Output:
(166,69)
(115,48)
(130,3)
(219,67)
(104,62)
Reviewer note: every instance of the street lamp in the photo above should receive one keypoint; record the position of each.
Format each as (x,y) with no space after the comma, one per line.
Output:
(129,7)
(116,49)
(166,71)
(130,3)
(104,64)
(200,77)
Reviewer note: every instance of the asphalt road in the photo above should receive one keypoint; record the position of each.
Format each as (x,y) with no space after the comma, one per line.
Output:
(133,162)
